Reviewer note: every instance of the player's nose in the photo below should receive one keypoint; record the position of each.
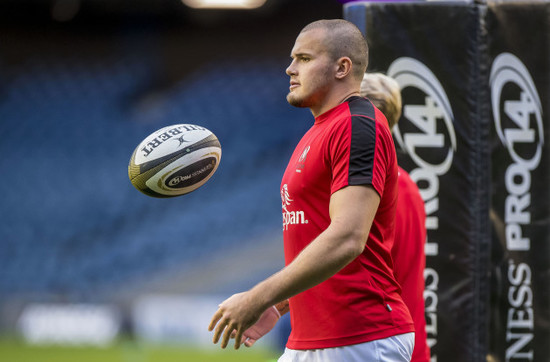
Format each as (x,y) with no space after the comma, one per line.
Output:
(291,69)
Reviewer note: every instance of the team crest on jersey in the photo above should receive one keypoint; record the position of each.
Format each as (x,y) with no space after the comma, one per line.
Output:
(290,217)
(302,160)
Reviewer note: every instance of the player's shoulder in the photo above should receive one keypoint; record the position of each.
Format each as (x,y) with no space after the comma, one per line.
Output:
(362,108)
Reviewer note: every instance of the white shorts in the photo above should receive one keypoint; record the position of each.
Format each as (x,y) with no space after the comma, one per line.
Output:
(393,349)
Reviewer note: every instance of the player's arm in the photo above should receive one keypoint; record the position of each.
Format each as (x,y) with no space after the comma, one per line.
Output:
(352,210)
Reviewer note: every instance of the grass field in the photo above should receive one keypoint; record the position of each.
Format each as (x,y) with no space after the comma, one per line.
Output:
(15,351)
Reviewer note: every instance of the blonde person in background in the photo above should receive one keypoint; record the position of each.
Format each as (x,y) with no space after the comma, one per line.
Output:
(409,259)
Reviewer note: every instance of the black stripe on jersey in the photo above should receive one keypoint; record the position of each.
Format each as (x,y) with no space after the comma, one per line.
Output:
(363,141)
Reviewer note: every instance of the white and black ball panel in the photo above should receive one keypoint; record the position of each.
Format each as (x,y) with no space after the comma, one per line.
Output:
(186,173)
(168,140)
(174,160)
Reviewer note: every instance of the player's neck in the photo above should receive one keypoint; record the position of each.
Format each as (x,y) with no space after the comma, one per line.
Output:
(332,101)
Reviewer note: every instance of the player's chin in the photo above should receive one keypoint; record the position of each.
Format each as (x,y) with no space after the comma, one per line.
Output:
(294,100)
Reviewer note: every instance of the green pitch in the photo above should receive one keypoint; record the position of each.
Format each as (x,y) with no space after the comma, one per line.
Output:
(14,351)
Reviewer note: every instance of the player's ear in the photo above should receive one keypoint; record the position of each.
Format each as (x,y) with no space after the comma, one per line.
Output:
(343,67)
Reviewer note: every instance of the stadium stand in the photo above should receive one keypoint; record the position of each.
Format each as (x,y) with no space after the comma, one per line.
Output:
(72,223)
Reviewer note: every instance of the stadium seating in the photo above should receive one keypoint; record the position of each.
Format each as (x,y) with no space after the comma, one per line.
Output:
(73,225)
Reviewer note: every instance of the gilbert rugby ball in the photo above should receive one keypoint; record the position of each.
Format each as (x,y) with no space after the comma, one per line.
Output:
(174,160)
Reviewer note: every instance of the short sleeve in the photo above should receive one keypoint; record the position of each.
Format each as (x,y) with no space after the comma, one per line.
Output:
(360,154)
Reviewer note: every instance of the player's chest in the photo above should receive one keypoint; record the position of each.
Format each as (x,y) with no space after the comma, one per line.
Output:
(309,167)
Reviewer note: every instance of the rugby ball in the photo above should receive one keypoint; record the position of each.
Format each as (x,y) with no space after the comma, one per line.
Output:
(174,160)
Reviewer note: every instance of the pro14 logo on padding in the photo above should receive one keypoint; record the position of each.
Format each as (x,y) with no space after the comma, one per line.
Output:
(431,110)
(517,113)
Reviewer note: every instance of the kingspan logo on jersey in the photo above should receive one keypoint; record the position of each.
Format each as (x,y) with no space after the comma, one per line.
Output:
(428,137)
(517,114)
(290,217)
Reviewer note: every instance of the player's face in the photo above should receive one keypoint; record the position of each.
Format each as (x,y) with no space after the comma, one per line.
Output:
(311,70)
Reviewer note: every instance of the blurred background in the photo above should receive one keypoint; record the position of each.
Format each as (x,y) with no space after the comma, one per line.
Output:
(88,261)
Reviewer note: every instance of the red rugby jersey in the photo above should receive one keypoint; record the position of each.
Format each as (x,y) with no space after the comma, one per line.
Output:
(350,144)
(409,258)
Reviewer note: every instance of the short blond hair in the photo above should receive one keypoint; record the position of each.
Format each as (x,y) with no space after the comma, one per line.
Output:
(384,92)
(344,39)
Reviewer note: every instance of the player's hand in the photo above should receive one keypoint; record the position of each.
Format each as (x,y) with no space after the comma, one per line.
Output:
(267,321)
(234,316)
